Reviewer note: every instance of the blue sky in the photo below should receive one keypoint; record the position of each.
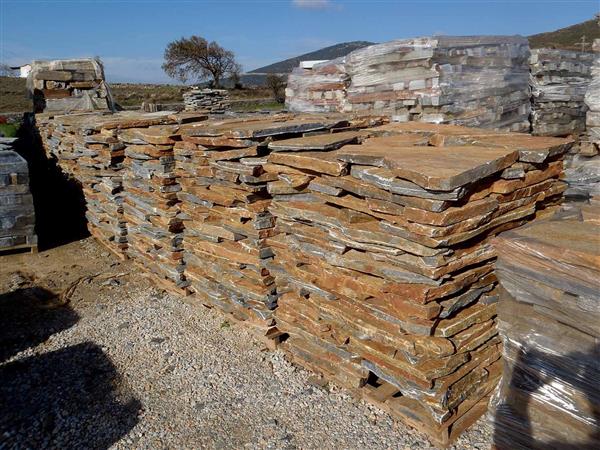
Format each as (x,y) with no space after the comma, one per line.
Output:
(130,35)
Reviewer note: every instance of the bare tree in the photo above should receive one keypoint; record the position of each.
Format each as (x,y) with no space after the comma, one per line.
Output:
(195,57)
(276,83)
(6,71)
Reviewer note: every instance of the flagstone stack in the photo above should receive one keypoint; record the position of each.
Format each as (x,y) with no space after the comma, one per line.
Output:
(90,152)
(583,167)
(91,148)
(549,321)
(17,214)
(215,101)
(222,171)
(322,88)
(383,262)
(69,85)
(473,80)
(559,80)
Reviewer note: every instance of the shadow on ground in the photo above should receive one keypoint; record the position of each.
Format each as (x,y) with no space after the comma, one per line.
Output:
(69,398)
(58,199)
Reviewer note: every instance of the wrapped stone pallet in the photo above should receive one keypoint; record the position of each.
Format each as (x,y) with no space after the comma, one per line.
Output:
(473,80)
(559,80)
(17,215)
(549,321)
(69,85)
(383,261)
(322,88)
(583,168)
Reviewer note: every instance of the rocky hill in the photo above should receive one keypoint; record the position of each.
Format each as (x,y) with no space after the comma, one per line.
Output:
(332,52)
(568,38)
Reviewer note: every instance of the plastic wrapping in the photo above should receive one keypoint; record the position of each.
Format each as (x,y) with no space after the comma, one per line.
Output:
(320,89)
(549,321)
(583,169)
(475,80)
(69,85)
(559,80)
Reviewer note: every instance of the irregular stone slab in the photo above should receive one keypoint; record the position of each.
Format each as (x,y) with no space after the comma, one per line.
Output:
(385,179)
(448,168)
(311,161)
(323,142)
(372,152)
(532,149)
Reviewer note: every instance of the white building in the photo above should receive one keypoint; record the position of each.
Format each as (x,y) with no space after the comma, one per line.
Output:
(23,70)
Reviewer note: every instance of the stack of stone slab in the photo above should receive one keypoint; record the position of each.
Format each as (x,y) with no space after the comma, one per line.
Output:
(91,148)
(559,80)
(322,88)
(215,101)
(69,85)
(475,81)
(151,207)
(549,321)
(383,262)
(583,168)
(223,173)
(17,214)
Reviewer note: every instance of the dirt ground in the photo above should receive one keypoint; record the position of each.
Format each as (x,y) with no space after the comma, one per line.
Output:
(93,356)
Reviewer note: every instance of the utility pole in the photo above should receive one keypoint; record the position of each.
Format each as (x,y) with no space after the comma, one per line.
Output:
(583,43)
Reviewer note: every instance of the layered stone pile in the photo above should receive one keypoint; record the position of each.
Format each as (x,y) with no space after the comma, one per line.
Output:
(69,85)
(549,321)
(215,101)
(17,214)
(91,148)
(583,167)
(559,80)
(363,247)
(322,88)
(475,81)
(223,172)
(383,262)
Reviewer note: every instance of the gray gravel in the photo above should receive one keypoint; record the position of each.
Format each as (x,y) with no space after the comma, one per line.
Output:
(126,365)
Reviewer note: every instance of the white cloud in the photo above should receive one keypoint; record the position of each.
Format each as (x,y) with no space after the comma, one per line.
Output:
(312,4)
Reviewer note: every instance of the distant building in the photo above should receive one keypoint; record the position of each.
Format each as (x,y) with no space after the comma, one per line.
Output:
(23,70)
(310,64)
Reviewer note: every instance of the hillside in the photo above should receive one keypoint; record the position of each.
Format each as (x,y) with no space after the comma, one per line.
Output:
(568,38)
(332,52)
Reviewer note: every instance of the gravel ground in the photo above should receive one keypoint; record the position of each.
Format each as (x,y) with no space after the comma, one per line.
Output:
(125,365)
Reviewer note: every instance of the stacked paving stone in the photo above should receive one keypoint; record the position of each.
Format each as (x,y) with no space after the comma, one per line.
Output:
(91,148)
(151,207)
(215,101)
(549,320)
(17,215)
(383,261)
(474,81)
(559,80)
(321,88)
(223,173)
(583,167)
(69,85)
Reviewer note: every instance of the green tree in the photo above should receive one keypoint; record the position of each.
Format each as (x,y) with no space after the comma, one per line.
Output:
(195,57)
(276,83)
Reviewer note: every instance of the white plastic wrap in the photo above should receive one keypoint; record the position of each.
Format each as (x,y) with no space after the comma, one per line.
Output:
(475,80)
(319,89)
(549,320)
(69,85)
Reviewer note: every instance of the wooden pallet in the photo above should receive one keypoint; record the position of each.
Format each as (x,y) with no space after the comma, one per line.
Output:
(33,248)
(409,411)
